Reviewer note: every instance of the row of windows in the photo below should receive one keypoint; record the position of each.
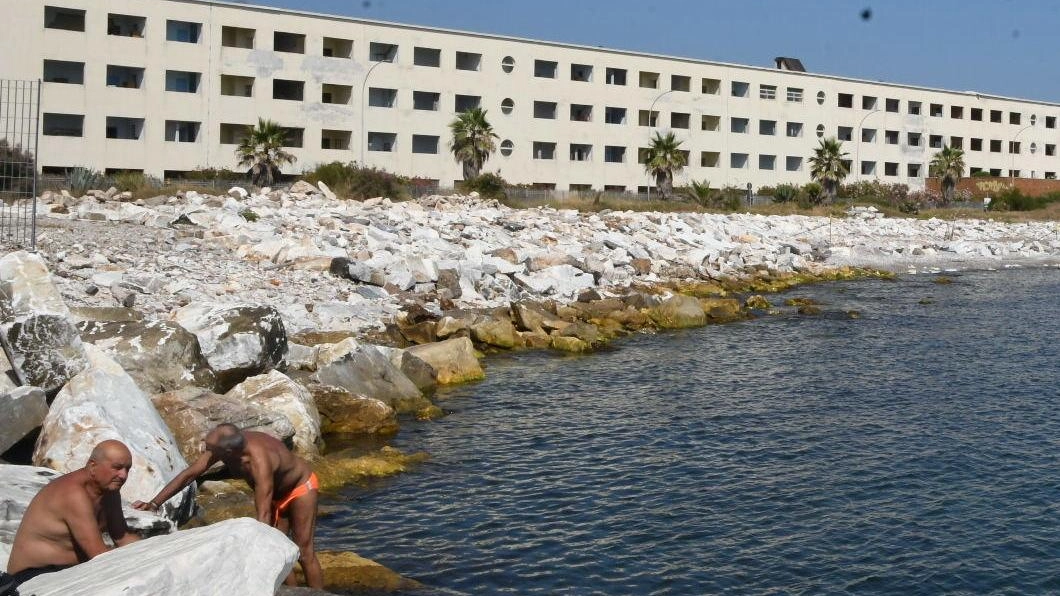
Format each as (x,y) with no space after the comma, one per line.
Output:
(240,37)
(937,110)
(231,134)
(184,131)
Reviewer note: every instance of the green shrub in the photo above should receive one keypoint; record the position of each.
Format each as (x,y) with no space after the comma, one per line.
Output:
(785,193)
(1014,200)
(766,191)
(17,167)
(699,193)
(80,180)
(135,181)
(353,181)
(249,215)
(213,174)
(812,195)
(729,198)
(488,186)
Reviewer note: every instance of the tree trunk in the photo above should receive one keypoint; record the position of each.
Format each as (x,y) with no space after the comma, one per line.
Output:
(829,190)
(664,182)
(469,171)
(947,190)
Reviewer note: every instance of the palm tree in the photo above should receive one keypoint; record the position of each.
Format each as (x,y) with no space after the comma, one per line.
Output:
(828,167)
(664,159)
(472,142)
(262,150)
(948,165)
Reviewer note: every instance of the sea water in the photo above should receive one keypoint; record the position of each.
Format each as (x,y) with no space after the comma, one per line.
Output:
(904,441)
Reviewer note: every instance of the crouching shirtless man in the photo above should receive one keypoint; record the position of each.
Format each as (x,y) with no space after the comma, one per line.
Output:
(65,521)
(285,489)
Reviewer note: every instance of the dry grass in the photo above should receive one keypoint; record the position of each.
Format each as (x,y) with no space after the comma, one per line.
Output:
(587,204)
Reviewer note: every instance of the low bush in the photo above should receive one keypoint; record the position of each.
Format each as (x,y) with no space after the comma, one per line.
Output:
(213,174)
(354,181)
(812,195)
(488,186)
(135,182)
(1014,200)
(785,193)
(80,180)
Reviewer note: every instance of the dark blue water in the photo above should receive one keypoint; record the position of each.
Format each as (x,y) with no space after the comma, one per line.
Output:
(911,451)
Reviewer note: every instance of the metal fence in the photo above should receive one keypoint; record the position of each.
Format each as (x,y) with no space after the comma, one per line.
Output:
(19,117)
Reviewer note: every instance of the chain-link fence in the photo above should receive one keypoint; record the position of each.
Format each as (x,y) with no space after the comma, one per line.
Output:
(19,117)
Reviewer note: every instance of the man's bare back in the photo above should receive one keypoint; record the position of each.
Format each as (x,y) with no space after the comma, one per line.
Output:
(65,521)
(288,470)
(285,488)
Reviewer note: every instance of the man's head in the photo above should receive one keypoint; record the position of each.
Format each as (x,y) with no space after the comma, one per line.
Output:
(108,465)
(225,439)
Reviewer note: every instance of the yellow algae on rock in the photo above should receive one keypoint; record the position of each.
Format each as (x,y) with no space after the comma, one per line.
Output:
(350,571)
(336,470)
(566,343)
(757,302)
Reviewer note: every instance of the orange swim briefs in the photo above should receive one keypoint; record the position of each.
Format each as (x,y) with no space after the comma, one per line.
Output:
(281,505)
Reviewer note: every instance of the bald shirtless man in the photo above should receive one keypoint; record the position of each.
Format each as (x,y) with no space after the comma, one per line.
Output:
(64,523)
(285,489)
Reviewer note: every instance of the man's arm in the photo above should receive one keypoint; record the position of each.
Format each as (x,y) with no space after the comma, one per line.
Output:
(80,518)
(178,483)
(116,526)
(261,472)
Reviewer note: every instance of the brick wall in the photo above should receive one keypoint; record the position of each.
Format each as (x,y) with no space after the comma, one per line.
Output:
(986,187)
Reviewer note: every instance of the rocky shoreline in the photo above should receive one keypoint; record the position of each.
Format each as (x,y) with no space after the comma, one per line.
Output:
(300,314)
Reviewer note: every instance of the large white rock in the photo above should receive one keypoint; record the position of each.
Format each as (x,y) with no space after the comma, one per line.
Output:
(37,324)
(22,409)
(560,280)
(238,557)
(362,369)
(276,392)
(238,341)
(158,355)
(103,402)
(20,485)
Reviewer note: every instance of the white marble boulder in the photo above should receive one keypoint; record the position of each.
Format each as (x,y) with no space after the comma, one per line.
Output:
(276,392)
(238,341)
(237,557)
(46,350)
(190,412)
(20,485)
(22,409)
(103,402)
(159,355)
(363,369)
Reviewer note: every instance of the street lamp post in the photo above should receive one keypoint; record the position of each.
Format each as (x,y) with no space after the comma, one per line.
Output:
(651,126)
(857,147)
(1012,159)
(364,102)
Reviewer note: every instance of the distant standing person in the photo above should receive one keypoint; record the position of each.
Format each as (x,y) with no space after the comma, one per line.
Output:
(285,489)
(65,521)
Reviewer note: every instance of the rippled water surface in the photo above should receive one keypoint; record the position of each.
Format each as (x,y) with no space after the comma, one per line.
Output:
(911,451)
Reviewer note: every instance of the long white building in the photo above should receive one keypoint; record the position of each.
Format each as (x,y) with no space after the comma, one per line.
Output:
(169,86)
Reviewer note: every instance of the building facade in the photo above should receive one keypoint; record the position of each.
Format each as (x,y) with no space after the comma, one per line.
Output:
(170,86)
